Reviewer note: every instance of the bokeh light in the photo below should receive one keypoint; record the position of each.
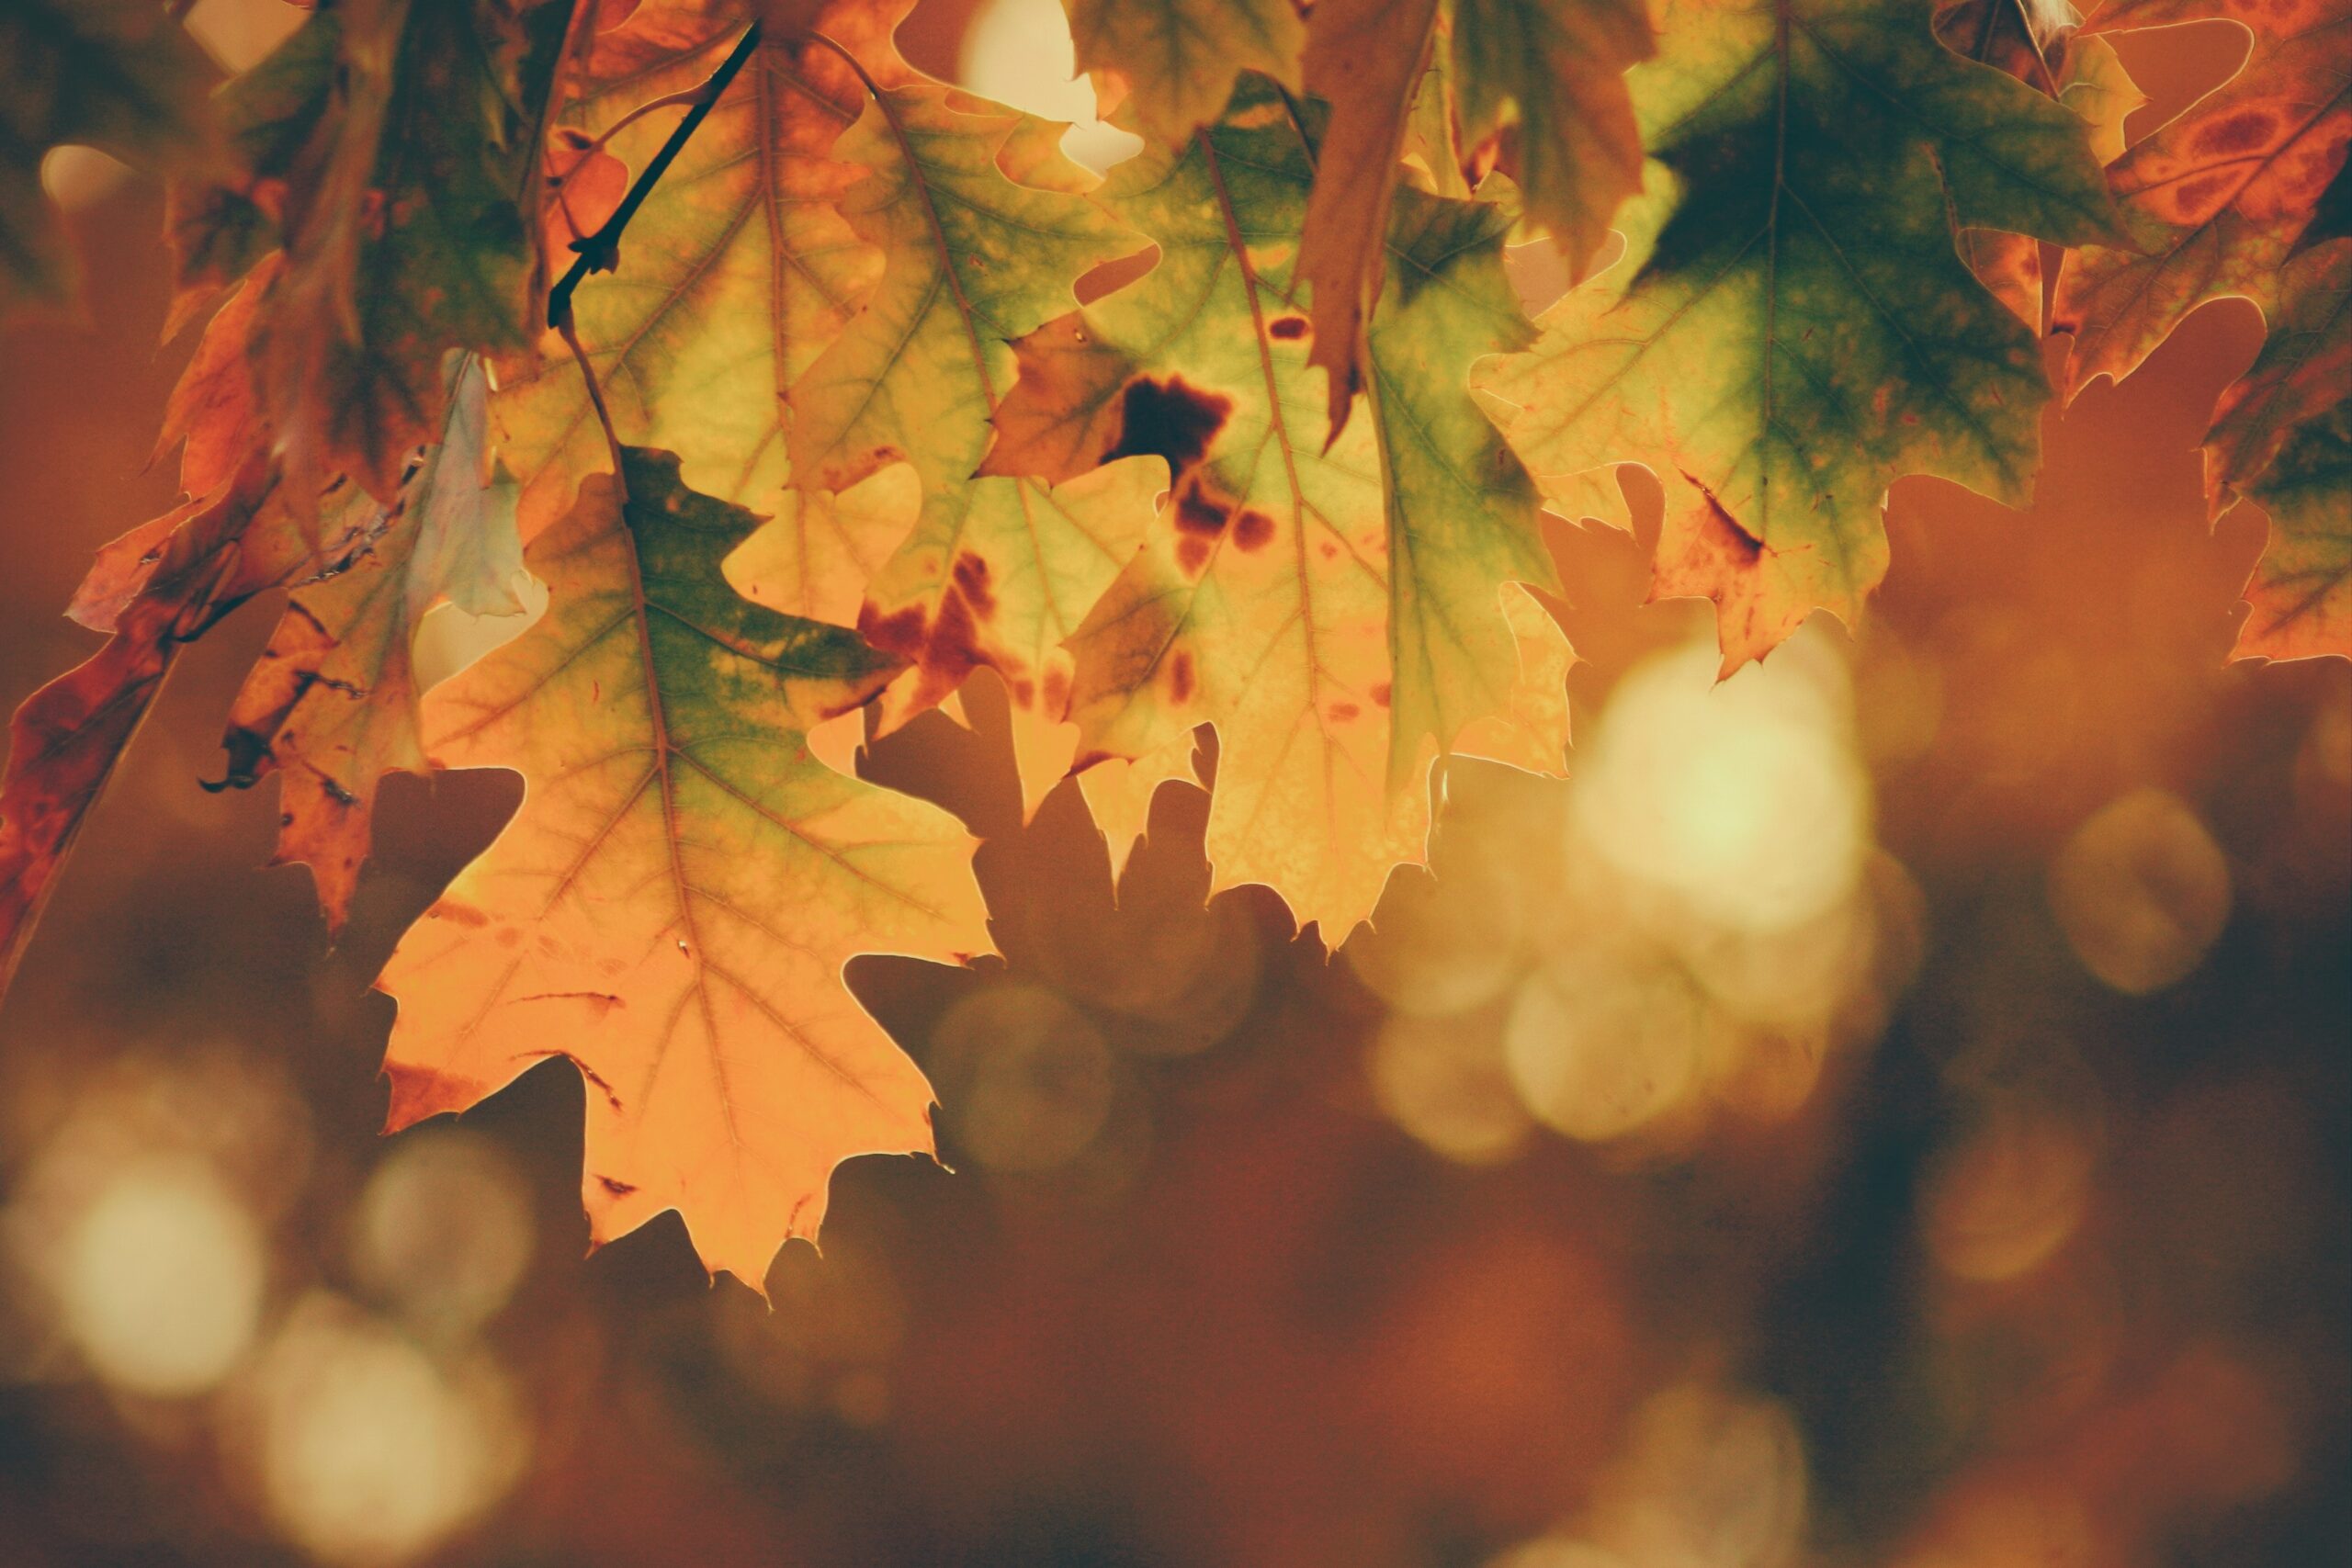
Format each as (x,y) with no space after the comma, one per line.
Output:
(2142,891)
(160,1277)
(369,1451)
(1742,800)
(1444,1081)
(1603,1040)
(443,1231)
(1023,1076)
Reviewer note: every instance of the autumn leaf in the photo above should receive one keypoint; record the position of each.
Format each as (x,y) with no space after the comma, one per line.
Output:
(1340,616)
(387,149)
(2028,40)
(1176,59)
(201,561)
(672,906)
(118,76)
(2218,196)
(734,274)
(995,571)
(332,703)
(2283,438)
(1791,328)
(1536,85)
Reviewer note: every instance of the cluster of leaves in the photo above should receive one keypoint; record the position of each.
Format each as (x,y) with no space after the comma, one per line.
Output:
(859,412)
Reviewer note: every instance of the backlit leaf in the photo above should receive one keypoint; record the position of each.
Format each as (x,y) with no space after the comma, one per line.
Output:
(672,906)
(331,705)
(2218,196)
(1341,616)
(1792,329)
(1536,85)
(1178,59)
(389,149)
(2282,437)
(733,276)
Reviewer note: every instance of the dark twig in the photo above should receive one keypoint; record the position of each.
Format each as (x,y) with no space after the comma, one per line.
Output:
(600,252)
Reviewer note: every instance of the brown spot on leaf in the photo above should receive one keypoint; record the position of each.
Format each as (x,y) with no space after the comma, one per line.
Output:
(2241,132)
(615,1186)
(1381,694)
(971,574)
(1171,419)
(1342,712)
(1191,554)
(1197,512)
(1179,677)
(458,914)
(1252,530)
(1287,327)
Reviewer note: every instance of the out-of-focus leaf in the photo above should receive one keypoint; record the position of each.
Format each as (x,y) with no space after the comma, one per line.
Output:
(202,560)
(1792,329)
(2220,196)
(389,149)
(332,703)
(672,906)
(1341,616)
(1177,59)
(2282,437)
(120,76)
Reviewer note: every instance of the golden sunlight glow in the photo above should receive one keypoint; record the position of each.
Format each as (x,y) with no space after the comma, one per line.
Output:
(2142,891)
(1709,1478)
(1605,1039)
(370,1452)
(1019,52)
(1440,944)
(1742,801)
(159,1278)
(443,1231)
(1443,1081)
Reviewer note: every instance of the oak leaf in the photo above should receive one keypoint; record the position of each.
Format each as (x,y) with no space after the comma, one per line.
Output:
(1340,616)
(1791,328)
(671,906)
(195,564)
(389,148)
(1176,59)
(985,231)
(1536,85)
(118,76)
(734,274)
(2283,438)
(2220,196)
(332,703)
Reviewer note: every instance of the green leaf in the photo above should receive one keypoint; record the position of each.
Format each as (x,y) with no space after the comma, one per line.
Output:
(734,274)
(389,149)
(120,76)
(1178,59)
(1792,329)
(2282,437)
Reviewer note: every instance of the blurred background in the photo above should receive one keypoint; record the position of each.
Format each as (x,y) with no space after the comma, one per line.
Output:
(1890,1108)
